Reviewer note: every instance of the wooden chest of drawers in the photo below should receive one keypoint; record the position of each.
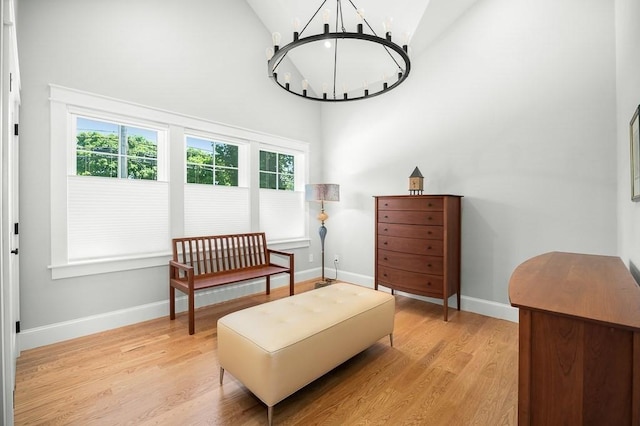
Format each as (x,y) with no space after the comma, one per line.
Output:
(418,245)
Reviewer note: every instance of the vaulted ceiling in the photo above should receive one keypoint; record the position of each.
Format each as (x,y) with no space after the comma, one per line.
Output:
(419,22)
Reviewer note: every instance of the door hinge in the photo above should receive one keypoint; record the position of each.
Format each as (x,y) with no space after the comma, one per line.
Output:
(17,327)
(15,229)
(15,129)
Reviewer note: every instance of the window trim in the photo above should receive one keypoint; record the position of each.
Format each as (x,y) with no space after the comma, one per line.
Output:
(64,102)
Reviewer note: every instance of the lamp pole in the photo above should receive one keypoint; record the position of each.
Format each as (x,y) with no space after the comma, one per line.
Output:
(323,233)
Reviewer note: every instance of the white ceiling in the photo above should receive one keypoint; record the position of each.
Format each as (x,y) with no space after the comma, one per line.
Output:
(421,21)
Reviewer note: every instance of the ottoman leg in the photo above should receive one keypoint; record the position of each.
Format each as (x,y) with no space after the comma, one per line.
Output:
(390,341)
(221,375)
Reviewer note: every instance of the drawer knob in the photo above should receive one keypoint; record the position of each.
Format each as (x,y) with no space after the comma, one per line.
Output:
(428,247)
(386,258)
(428,265)
(386,217)
(429,204)
(429,232)
(384,275)
(386,229)
(428,283)
(385,243)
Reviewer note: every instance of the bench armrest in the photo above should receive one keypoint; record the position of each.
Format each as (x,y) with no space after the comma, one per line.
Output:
(188,270)
(281,253)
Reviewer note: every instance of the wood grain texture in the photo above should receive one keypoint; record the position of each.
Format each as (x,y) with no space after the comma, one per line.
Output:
(579,328)
(417,244)
(595,288)
(439,373)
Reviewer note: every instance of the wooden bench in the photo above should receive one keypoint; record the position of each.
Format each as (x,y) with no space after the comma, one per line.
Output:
(205,262)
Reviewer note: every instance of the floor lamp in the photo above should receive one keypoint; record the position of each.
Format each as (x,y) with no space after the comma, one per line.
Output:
(322,192)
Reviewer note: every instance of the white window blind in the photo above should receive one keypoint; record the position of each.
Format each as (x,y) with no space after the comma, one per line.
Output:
(116,217)
(282,214)
(214,210)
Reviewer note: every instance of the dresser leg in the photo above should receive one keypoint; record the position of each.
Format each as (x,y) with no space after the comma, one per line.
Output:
(445,299)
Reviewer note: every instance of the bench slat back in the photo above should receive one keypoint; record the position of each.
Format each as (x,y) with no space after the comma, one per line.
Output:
(219,253)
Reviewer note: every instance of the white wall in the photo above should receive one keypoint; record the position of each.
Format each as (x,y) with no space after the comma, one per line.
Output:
(513,108)
(202,58)
(628,98)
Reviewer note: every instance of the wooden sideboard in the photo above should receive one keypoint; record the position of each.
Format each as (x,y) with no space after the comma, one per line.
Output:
(417,247)
(579,360)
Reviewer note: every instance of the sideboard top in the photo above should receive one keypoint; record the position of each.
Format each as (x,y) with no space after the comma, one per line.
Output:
(591,287)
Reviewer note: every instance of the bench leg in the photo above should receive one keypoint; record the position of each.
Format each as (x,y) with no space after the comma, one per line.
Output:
(172,302)
(270,415)
(291,283)
(391,339)
(268,284)
(192,314)
(221,375)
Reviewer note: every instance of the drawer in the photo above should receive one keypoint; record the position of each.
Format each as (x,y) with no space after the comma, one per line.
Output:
(423,203)
(411,262)
(411,231)
(411,245)
(411,217)
(411,282)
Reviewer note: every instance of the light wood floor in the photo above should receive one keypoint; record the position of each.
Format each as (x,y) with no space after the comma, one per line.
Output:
(463,372)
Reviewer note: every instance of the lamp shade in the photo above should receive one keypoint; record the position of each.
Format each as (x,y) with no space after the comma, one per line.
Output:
(322,192)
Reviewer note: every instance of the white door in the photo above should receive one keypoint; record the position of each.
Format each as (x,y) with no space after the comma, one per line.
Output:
(9,228)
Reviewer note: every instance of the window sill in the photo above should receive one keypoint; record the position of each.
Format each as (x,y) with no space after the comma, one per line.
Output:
(103,266)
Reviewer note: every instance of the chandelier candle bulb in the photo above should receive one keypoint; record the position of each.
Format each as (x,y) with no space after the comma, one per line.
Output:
(387,27)
(360,18)
(326,14)
(287,79)
(276,41)
(296,29)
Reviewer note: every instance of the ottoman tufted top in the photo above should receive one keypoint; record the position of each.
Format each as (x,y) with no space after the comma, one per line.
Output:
(280,323)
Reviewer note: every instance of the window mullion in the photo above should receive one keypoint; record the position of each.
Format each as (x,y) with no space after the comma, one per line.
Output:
(122,152)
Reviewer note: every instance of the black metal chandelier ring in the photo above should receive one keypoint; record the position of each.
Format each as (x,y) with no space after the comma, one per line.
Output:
(281,52)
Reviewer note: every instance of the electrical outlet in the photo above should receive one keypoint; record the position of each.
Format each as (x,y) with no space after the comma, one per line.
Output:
(310,257)
(336,258)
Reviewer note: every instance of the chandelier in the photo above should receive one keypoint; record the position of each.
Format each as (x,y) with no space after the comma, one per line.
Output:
(340,65)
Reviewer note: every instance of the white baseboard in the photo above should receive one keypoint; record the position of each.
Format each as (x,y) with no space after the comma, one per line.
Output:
(467,303)
(58,332)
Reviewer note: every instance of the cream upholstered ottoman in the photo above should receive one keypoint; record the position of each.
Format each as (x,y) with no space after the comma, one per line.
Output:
(278,347)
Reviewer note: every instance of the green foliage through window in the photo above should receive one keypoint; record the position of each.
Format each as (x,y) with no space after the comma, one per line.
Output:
(211,163)
(115,150)
(277,171)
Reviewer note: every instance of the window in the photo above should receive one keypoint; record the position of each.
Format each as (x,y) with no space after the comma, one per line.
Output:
(113,194)
(120,191)
(282,205)
(220,204)
(277,171)
(115,150)
(211,162)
